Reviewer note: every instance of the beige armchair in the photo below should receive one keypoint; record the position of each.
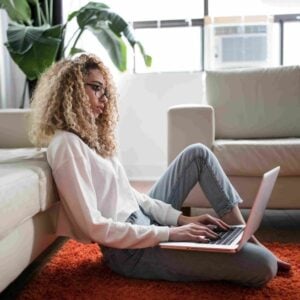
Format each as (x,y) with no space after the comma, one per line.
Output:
(252,123)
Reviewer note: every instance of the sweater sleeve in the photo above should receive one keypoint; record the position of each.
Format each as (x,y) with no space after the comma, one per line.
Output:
(75,186)
(160,211)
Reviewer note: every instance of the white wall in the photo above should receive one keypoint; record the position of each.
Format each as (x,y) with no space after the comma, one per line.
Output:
(144,102)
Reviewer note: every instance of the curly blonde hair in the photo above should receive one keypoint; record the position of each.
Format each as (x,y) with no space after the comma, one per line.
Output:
(60,102)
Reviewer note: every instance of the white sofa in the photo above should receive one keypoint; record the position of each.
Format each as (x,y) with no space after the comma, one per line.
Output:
(28,200)
(251,121)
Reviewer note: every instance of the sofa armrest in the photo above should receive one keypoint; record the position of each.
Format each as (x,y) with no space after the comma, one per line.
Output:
(13,128)
(189,124)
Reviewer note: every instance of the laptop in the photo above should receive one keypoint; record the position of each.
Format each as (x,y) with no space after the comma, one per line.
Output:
(236,237)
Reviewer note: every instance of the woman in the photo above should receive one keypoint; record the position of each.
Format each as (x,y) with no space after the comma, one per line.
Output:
(74,114)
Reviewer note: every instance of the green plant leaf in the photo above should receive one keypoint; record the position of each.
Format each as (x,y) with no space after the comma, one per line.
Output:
(35,2)
(109,28)
(18,11)
(72,15)
(147,58)
(129,35)
(33,49)
(74,51)
(113,44)
(131,39)
(21,38)
(95,12)
(89,8)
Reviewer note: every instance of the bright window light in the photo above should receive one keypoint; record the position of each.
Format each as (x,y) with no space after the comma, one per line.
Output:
(291,49)
(253,7)
(172,49)
(142,10)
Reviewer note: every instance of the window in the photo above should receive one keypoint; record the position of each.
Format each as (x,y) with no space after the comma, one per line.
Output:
(165,29)
(169,34)
(278,48)
(252,7)
(172,49)
(239,33)
(291,48)
(238,42)
(145,10)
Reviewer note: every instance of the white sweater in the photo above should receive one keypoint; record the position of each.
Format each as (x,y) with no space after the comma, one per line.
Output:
(96,198)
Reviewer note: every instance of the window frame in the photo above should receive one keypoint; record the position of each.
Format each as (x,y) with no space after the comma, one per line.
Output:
(280,19)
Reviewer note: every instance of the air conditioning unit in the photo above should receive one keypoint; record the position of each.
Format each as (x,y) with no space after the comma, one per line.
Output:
(238,45)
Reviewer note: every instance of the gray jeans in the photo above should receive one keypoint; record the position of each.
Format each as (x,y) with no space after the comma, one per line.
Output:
(252,265)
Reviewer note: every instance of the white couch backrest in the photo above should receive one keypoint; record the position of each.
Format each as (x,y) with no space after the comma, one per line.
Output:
(13,128)
(255,103)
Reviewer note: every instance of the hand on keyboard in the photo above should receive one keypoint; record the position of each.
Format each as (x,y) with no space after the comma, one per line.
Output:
(217,229)
(206,220)
(192,232)
(204,228)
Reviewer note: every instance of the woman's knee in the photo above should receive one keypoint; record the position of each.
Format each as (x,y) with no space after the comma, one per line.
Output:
(268,270)
(264,267)
(197,150)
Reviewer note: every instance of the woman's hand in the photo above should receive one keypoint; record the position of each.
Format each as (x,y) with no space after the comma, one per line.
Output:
(206,219)
(192,232)
(196,229)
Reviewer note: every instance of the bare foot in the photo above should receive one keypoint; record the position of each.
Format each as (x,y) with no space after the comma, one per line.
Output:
(283,265)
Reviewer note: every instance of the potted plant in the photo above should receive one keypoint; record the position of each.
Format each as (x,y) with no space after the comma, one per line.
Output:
(35,43)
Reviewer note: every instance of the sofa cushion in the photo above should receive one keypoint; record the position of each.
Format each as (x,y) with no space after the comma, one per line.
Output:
(254,157)
(34,159)
(19,197)
(13,128)
(255,103)
(26,188)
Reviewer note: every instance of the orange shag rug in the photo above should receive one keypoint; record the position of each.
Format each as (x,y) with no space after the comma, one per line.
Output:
(76,271)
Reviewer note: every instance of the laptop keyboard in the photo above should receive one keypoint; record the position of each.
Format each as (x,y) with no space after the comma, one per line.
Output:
(227,237)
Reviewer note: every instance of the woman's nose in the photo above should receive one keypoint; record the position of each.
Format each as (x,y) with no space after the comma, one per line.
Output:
(103,98)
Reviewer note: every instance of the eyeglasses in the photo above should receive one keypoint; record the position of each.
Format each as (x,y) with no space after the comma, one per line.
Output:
(99,90)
